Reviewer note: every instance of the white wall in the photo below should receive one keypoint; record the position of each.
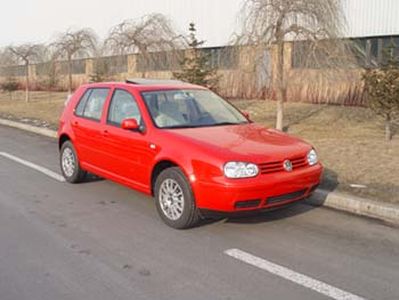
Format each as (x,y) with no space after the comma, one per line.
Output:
(371,17)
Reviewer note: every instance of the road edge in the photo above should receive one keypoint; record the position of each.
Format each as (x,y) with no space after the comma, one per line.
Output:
(337,200)
(34,129)
(359,206)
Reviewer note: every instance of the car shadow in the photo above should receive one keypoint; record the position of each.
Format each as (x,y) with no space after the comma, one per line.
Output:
(329,181)
(277,214)
(91,178)
(256,217)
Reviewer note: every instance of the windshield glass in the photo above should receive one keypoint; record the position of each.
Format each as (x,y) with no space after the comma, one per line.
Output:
(190,108)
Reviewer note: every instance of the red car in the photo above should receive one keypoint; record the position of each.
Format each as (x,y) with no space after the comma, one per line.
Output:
(186,146)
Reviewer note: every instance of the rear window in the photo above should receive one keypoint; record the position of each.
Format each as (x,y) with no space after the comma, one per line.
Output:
(92,103)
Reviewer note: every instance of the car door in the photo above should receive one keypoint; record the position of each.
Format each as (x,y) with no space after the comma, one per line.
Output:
(128,153)
(87,127)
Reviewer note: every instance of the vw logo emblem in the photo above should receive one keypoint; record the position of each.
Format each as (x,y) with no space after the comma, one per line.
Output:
(287,165)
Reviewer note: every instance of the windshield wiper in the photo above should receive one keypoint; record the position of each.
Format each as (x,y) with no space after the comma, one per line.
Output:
(180,126)
(228,123)
(202,125)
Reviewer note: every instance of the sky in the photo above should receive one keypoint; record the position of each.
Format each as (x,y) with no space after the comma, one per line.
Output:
(40,20)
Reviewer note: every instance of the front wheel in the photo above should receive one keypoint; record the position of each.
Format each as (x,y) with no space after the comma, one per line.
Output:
(69,163)
(174,199)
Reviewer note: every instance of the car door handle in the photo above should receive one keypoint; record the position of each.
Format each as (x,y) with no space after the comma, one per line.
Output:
(105,133)
(75,123)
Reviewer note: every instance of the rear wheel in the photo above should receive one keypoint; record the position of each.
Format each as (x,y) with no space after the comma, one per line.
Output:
(174,199)
(69,163)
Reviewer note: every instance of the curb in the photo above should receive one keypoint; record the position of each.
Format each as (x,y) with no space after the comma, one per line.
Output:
(359,206)
(30,128)
(340,201)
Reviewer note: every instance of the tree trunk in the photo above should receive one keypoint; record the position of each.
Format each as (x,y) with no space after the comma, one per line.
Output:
(69,75)
(388,129)
(27,96)
(281,90)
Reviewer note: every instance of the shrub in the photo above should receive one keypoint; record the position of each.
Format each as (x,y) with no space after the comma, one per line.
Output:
(382,91)
(10,85)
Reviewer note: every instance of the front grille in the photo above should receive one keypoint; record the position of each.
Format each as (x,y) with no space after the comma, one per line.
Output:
(286,197)
(277,166)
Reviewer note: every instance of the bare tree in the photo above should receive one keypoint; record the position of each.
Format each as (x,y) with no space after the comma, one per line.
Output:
(26,54)
(268,23)
(151,33)
(73,43)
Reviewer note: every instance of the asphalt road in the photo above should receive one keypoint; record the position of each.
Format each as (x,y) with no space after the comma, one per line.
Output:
(100,240)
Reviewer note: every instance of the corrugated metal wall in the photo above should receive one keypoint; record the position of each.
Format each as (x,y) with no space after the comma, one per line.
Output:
(371,17)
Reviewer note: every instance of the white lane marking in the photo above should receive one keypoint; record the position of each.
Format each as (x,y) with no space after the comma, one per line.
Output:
(33,166)
(306,281)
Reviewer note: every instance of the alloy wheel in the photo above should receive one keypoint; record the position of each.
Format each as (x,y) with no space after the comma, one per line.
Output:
(171,199)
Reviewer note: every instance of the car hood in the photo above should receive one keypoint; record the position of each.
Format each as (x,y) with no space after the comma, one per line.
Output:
(247,141)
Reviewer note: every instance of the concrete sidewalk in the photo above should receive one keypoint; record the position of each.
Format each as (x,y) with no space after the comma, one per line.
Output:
(360,206)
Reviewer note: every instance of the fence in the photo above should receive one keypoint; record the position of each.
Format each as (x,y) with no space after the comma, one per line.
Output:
(243,73)
(13,71)
(111,65)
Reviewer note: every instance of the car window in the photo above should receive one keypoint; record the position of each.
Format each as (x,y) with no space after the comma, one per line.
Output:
(82,103)
(123,106)
(94,104)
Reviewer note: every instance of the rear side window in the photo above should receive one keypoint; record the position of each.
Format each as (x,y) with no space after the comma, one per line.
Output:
(82,103)
(123,106)
(92,103)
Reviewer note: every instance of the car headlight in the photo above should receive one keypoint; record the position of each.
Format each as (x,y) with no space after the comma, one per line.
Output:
(235,169)
(312,157)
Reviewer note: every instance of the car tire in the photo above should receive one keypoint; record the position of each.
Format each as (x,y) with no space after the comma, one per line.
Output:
(70,165)
(175,200)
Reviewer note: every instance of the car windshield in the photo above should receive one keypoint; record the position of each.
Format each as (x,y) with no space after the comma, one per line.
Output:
(190,109)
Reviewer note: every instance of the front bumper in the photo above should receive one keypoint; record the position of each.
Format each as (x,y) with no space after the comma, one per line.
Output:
(261,192)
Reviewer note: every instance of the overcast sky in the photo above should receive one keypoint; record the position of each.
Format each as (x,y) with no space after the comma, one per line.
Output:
(38,20)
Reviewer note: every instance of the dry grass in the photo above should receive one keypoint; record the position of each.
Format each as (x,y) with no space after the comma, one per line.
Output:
(350,140)
(44,108)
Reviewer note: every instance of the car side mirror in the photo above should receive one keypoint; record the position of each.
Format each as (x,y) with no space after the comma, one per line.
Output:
(130,124)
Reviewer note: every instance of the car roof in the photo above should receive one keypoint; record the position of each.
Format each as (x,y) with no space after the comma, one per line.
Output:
(142,85)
